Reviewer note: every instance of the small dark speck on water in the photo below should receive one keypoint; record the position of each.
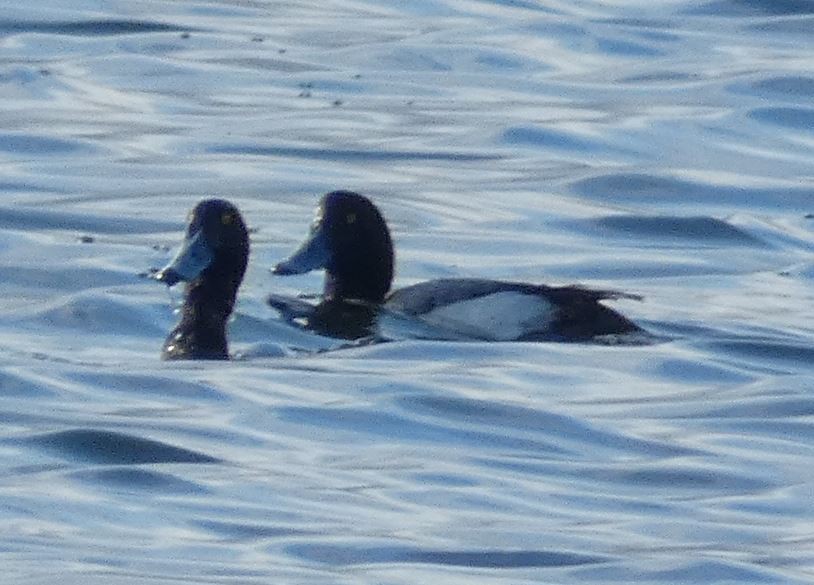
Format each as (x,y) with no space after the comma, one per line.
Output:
(185,35)
(254,230)
(358,76)
(281,51)
(257,39)
(809,215)
(306,87)
(86,239)
(337,103)
(161,248)
(45,72)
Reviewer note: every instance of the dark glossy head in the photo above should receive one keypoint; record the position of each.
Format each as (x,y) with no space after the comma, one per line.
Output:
(350,240)
(216,236)
(212,261)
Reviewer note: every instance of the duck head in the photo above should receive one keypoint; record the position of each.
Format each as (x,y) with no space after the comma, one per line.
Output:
(350,240)
(212,261)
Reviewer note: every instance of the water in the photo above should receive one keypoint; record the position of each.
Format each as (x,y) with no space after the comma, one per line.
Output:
(660,148)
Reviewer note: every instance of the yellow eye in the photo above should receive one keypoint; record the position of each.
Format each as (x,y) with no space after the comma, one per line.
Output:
(227,218)
(350,218)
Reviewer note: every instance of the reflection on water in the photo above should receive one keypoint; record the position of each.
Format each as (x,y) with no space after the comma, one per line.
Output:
(659,149)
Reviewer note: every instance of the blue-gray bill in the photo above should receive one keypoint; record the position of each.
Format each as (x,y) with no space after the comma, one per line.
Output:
(191,260)
(313,254)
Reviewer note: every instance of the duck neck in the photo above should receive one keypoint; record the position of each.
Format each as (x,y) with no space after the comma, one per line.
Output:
(362,270)
(357,285)
(201,332)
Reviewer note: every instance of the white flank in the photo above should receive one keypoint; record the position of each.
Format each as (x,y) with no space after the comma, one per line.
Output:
(501,316)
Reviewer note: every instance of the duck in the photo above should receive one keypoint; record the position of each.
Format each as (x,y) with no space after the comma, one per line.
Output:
(350,240)
(212,261)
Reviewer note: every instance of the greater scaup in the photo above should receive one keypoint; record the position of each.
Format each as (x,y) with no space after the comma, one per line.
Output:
(350,240)
(212,261)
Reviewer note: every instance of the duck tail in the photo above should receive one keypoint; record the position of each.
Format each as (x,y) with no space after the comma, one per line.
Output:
(602,294)
(616,294)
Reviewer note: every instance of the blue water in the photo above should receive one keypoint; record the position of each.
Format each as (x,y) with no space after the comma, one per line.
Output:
(661,148)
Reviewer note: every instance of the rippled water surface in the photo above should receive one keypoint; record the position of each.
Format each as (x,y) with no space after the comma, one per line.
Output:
(661,148)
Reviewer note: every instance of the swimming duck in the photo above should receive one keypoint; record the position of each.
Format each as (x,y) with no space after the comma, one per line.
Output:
(350,240)
(212,261)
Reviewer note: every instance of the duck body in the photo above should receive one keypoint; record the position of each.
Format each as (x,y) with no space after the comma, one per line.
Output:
(350,240)
(496,310)
(212,261)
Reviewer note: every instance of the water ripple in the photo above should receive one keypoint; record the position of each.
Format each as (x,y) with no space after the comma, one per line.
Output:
(393,425)
(693,230)
(28,144)
(488,559)
(112,448)
(351,155)
(786,86)
(45,219)
(661,191)
(801,119)
(133,480)
(508,419)
(88,27)
(740,8)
